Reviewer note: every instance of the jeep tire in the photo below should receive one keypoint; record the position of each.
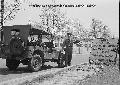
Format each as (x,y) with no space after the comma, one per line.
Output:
(12,64)
(35,63)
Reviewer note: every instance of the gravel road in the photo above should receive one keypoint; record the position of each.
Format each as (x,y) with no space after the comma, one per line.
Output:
(84,74)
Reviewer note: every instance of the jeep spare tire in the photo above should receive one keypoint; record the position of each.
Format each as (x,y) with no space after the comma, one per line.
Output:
(16,47)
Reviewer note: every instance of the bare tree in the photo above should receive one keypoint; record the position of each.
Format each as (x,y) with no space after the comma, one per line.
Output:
(52,18)
(79,33)
(10,9)
(98,29)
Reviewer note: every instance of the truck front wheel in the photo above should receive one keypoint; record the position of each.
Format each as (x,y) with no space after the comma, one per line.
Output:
(12,64)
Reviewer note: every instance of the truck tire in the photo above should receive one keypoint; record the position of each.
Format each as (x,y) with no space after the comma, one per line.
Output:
(61,60)
(35,63)
(12,64)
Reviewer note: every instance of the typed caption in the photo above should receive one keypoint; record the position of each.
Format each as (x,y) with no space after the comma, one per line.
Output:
(64,5)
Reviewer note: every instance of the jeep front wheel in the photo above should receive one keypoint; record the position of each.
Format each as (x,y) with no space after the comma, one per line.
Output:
(35,63)
(12,64)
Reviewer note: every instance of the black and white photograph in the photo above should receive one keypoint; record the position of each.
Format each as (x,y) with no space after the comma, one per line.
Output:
(59,42)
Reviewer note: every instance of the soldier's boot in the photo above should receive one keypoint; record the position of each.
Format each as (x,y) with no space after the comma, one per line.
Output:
(66,61)
(69,60)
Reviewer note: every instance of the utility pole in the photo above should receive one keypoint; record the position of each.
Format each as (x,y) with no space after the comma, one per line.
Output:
(2,17)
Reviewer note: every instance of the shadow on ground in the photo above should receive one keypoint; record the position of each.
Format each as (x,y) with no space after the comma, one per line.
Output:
(19,70)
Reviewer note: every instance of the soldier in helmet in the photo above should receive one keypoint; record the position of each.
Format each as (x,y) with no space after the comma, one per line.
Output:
(68,47)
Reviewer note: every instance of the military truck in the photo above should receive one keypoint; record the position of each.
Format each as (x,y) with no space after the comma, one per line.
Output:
(25,44)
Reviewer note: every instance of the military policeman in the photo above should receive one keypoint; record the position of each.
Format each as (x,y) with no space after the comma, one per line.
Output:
(68,47)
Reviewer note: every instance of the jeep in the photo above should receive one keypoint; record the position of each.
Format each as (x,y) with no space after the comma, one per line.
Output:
(27,45)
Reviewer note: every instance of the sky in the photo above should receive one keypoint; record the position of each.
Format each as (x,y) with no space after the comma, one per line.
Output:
(104,10)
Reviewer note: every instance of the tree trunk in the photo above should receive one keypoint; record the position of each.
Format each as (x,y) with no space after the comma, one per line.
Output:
(2,16)
(79,50)
(87,48)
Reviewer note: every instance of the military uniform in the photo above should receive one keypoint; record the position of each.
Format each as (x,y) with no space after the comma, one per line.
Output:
(68,47)
(16,45)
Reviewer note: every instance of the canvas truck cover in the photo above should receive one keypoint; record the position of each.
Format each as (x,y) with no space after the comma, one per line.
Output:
(103,49)
(24,32)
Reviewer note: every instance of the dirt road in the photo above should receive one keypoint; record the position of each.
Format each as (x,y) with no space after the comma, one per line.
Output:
(5,74)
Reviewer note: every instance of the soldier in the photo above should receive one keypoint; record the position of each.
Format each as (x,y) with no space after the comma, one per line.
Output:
(16,43)
(68,47)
